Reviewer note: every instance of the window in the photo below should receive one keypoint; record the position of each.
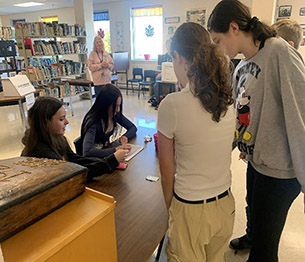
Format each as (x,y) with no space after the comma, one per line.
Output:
(101,21)
(147,33)
(49,19)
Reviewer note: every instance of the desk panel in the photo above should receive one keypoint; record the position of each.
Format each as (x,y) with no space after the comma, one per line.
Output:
(141,215)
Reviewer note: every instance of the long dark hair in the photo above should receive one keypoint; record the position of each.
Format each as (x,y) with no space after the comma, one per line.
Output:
(209,70)
(107,96)
(227,11)
(39,117)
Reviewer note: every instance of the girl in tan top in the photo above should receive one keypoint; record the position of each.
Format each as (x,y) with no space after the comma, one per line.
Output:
(100,64)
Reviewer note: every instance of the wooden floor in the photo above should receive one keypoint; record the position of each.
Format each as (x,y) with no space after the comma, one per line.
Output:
(292,246)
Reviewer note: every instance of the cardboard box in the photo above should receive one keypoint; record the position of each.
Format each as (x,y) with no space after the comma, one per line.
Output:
(168,74)
(18,85)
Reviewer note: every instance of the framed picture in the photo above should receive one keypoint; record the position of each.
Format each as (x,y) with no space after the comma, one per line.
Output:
(302,11)
(285,11)
(303,28)
(171,30)
(302,42)
(172,20)
(196,15)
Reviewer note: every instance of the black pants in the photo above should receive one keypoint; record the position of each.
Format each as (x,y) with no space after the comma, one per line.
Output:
(269,201)
(97,89)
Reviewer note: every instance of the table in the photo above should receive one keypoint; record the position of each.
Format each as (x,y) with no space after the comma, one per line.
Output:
(141,215)
(79,82)
(160,84)
(15,100)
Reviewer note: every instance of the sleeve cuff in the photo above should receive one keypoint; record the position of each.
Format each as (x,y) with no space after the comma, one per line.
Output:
(112,162)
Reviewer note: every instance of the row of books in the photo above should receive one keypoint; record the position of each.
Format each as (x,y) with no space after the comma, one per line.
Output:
(48,29)
(59,90)
(7,32)
(34,61)
(61,69)
(42,47)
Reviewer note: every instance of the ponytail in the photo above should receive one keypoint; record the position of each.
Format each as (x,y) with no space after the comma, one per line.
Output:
(209,70)
(210,75)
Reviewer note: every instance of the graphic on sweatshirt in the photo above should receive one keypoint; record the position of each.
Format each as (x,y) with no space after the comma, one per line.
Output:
(242,105)
(243,111)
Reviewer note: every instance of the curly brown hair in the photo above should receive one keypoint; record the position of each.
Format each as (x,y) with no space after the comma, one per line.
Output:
(209,70)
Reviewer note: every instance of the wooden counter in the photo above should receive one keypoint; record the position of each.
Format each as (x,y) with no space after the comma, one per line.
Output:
(82,230)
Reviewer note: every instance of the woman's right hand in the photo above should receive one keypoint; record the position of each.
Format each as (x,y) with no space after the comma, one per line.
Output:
(124,147)
(120,155)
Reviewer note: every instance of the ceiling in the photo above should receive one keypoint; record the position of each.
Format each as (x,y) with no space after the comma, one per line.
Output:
(7,6)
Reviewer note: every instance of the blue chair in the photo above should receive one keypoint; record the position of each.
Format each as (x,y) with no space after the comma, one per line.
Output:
(149,80)
(137,77)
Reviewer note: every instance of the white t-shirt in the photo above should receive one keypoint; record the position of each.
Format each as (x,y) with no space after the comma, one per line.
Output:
(203,147)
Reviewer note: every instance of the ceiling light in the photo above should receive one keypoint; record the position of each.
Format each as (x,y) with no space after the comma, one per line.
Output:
(28,4)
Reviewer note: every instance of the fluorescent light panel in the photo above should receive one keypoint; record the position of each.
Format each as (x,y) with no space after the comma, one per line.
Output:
(28,4)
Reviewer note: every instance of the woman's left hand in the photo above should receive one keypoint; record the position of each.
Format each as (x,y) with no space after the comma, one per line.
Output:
(123,140)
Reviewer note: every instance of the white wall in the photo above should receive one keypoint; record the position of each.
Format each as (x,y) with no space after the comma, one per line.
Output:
(295,14)
(120,12)
(65,15)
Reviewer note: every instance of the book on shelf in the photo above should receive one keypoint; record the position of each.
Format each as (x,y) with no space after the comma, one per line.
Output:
(49,29)
(7,32)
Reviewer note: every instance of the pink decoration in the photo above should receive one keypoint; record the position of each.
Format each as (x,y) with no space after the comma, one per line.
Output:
(147,57)
(101,33)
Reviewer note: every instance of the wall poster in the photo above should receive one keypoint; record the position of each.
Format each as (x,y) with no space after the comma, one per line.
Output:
(197,15)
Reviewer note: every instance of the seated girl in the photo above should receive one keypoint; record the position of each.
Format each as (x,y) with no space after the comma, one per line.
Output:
(101,122)
(45,138)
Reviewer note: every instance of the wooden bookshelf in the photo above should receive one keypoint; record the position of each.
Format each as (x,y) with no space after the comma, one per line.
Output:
(43,48)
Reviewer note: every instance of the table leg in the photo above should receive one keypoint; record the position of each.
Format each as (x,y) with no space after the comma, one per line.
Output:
(22,113)
(90,93)
(160,249)
(70,99)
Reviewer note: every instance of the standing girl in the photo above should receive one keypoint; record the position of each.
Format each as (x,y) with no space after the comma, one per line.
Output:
(269,86)
(195,132)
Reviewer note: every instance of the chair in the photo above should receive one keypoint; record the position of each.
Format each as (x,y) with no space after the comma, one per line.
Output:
(78,143)
(137,76)
(149,80)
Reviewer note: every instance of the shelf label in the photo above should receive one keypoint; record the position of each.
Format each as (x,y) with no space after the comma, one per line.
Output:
(30,100)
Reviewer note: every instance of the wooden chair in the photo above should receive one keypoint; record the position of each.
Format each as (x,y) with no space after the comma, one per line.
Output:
(137,77)
(149,80)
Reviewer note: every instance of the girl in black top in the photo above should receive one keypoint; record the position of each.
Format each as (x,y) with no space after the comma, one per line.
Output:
(101,122)
(45,138)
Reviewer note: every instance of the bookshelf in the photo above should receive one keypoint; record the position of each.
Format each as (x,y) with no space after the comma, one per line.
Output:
(8,57)
(49,51)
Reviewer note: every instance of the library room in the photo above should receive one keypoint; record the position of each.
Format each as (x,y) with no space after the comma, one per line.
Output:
(141,130)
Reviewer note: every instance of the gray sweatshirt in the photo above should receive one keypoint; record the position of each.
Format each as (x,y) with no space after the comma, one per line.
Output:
(270,102)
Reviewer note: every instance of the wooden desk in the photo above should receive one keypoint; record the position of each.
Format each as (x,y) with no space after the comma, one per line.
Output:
(82,230)
(79,82)
(140,216)
(15,100)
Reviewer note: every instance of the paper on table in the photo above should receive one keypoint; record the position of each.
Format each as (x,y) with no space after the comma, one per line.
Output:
(135,149)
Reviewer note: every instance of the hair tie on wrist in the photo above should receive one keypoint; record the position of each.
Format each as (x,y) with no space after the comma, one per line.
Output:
(252,23)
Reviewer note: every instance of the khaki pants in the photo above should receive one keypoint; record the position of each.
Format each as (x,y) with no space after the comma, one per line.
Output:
(200,232)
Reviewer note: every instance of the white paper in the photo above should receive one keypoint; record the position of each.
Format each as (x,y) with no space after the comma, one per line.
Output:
(30,100)
(92,91)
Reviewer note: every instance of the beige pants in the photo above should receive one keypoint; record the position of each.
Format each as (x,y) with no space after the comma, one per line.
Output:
(200,232)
